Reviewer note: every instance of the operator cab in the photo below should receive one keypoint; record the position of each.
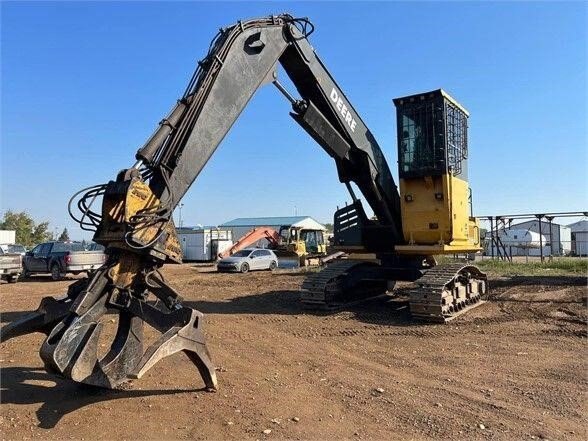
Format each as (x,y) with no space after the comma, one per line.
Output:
(435,196)
(432,135)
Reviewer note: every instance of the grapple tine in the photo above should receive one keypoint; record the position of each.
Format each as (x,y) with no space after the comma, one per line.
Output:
(71,347)
(115,367)
(189,339)
(49,313)
(69,339)
(126,350)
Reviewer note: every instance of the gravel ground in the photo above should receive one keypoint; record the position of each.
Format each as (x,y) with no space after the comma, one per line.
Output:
(513,368)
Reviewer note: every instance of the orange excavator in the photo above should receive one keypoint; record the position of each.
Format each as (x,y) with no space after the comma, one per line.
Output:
(294,246)
(253,236)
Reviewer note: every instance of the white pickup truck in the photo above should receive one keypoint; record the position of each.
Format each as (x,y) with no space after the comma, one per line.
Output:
(10,266)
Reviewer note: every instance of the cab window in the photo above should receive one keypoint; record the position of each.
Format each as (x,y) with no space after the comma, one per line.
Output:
(44,249)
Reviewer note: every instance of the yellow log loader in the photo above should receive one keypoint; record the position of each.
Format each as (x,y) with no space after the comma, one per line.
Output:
(429,215)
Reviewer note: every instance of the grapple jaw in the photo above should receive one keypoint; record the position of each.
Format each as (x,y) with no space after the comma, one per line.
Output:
(74,324)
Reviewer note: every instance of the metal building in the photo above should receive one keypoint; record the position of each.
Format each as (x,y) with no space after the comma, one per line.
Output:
(203,243)
(558,239)
(579,238)
(240,226)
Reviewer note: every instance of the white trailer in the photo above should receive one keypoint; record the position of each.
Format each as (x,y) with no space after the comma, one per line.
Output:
(7,237)
(203,244)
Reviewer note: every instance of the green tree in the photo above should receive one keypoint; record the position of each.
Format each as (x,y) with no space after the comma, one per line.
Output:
(329,227)
(28,232)
(64,236)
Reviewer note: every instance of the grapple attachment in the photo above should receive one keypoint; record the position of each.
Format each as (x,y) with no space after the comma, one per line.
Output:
(74,324)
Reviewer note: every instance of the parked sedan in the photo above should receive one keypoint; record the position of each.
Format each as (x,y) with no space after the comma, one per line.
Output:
(249,259)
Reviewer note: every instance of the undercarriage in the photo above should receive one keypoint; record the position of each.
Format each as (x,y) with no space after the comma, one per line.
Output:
(441,292)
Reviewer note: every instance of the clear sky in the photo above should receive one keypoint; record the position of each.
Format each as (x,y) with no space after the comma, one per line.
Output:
(84,84)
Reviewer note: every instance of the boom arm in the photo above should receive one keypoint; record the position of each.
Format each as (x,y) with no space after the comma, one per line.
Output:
(242,58)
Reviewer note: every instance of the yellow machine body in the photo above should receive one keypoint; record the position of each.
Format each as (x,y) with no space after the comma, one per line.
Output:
(435,198)
(435,216)
(301,243)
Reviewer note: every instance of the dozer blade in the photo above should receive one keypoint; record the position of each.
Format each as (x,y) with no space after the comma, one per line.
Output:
(288,259)
(447,291)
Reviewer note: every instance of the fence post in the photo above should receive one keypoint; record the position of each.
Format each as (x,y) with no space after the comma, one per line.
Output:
(539,216)
(491,238)
(550,218)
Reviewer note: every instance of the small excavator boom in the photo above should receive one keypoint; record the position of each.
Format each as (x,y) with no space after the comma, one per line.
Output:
(251,237)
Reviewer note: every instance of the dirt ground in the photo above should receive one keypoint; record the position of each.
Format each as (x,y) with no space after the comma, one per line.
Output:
(513,368)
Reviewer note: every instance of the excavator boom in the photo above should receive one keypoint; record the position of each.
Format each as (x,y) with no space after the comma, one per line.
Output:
(241,59)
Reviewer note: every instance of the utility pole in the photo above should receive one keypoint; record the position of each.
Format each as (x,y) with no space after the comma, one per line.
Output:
(181,206)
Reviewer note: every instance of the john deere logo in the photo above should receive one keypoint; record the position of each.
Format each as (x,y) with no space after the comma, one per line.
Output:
(343,109)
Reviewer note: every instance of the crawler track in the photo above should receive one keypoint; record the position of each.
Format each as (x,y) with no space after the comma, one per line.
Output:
(443,293)
(447,291)
(339,284)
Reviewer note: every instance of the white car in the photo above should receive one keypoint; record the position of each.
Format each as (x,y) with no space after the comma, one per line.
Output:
(249,259)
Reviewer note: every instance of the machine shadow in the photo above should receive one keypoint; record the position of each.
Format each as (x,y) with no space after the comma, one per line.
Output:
(382,311)
(26,385)
(499,288)
(511,281)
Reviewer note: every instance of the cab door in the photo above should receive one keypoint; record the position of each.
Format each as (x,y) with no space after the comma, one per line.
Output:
(265,259)
(311,241)
(37,261)
(253,260)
